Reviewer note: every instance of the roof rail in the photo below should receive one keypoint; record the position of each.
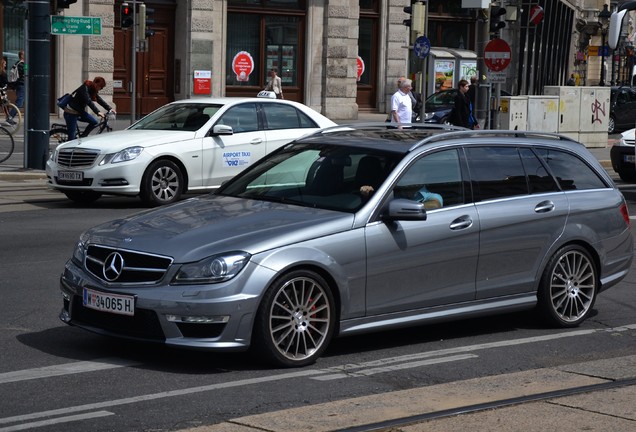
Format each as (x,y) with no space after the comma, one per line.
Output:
(481,133)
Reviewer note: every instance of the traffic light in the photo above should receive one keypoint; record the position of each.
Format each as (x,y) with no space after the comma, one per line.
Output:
(417,19)
(496,23)
(126,15)
(144,21)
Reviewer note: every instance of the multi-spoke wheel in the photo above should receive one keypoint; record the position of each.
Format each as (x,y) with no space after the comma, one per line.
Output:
(568,287)
(295,321)
(162,183)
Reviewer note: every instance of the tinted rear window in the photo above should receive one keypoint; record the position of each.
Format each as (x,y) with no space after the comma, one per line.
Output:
(571,172)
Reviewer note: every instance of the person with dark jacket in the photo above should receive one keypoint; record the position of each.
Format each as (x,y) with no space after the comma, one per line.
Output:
(461,115)
(4,80)
(85,96)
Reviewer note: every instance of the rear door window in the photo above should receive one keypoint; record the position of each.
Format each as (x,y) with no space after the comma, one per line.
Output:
(496,172)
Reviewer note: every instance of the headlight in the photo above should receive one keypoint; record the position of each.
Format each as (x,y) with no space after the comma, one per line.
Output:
(79,253)
(53,156)
(123,156)
(428,116)
(214,269)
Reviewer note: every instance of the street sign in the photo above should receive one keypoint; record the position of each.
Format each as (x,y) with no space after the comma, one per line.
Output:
(81,26)
(422,47)
(536,14)
(497,55)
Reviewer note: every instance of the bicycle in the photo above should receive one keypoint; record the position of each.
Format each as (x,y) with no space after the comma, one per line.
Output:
(6,144)
(9,123)
(59,133)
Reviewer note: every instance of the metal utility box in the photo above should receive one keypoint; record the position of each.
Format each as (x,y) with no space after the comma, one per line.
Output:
(569,107)
(595,109)
(543,113)
(513,112)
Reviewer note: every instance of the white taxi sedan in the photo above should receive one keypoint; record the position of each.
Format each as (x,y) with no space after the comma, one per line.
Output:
(185,146)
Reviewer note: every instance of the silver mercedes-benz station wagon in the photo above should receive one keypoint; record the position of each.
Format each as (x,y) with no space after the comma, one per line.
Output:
(355,229)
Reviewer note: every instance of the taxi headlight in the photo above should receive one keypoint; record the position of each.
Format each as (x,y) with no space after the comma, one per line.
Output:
(124,155)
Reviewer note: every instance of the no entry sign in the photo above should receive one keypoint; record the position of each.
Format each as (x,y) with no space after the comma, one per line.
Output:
(497,55)
(536,14)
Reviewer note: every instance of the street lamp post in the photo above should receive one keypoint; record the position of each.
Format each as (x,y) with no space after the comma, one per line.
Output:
(603,18)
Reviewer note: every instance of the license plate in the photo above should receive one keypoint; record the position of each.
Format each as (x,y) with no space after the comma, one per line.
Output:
(70,175)
(112,303)
(629,158)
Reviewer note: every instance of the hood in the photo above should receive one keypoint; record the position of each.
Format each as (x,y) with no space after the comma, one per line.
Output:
(115,141)
(199,227)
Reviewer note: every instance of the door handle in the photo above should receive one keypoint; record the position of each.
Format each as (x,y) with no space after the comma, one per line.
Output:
(256,141)
(461,222)
(544,207)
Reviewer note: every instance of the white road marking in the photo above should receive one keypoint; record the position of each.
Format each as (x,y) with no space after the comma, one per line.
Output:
(65,369)
(67,419)
(392,368)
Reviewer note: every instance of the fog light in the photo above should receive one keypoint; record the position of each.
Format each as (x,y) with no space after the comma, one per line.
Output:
(66,296)
(198,319)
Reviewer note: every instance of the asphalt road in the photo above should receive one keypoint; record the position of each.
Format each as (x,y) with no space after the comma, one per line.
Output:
(55,377)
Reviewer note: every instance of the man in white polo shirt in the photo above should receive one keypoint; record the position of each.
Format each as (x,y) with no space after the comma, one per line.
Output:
(401,104)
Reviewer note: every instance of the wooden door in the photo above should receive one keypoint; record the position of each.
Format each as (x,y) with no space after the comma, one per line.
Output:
(154,82)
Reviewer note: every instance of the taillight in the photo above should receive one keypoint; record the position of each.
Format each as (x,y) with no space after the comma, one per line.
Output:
(625,213)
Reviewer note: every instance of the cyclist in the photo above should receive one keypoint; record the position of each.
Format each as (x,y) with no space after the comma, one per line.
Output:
(85,95)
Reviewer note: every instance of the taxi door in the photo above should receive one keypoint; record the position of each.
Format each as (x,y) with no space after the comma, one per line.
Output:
(224,156)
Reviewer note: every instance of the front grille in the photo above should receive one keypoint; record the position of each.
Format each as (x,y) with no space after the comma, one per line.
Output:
(143,325)
(76,157)
(124,266)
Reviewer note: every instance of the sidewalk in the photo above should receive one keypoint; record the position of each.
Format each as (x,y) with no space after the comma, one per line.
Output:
(570,398)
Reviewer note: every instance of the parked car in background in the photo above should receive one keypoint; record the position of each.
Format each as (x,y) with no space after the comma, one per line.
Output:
(623,157)
(622,109)
(354,230)
(438,106)
(189,145)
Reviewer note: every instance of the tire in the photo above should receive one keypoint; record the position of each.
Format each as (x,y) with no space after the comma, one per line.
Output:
(58,135)
(569,286)
(627,175)
(7,144)
(83,197)
(295,321)
(162,183)
(611,125)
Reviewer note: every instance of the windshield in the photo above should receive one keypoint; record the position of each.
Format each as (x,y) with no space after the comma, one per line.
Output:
(323,176)
(178,117)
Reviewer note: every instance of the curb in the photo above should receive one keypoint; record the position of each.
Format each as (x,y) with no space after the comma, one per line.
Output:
(22,174)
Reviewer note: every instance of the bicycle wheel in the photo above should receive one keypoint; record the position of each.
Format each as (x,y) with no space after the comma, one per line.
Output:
(11,124)
(6,144)
(57,135)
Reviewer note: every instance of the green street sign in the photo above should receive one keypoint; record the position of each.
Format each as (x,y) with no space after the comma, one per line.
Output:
(82,26)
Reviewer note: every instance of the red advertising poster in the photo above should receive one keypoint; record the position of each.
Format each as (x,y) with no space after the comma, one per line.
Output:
(243,65)
(202,82)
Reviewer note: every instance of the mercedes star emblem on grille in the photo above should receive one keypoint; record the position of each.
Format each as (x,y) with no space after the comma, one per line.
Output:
(113,266)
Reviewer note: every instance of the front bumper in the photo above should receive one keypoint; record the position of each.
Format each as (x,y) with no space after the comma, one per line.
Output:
(623,158)
(236,300)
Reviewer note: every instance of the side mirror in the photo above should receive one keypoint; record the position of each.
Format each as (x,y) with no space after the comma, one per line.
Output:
(616,22)
(222,130)
(405,209)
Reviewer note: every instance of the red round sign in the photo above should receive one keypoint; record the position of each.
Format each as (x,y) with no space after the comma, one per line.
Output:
(536,14)
(497,55)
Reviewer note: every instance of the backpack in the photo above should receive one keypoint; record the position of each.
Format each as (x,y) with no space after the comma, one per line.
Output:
(14,73)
